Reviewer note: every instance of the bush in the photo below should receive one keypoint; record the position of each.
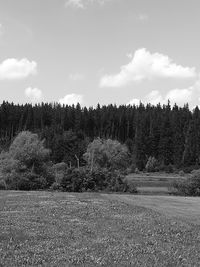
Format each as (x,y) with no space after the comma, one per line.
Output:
(181,173)
(132,167)
(136,171)
(55,187)
(131,188)
(114,182)
(166,168)
(80,180)
(73,180)
(190,186)
(48,174)
(151,164)
(24,181)
(58,171)
(2,185)
(189,169)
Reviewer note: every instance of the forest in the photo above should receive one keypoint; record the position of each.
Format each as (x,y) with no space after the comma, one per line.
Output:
(170,134)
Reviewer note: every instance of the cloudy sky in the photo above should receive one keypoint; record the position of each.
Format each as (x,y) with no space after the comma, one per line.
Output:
(100,51)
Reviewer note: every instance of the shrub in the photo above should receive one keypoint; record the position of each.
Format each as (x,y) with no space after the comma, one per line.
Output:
(58,170)
(131,188)
(24,181)
(181,173)
(166,168)
(47,173)
(151,164)
(132,167)
(190,186)
(80,180)
(2,185)
(114,182)
(189,169)
(73,180)
(55,187)
(137,171)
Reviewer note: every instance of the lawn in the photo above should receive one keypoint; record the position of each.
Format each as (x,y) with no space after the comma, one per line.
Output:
(90,229)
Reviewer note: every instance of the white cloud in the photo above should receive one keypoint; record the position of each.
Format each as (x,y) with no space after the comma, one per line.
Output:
(147,66)
(1,29)
(154,98)
(34,94)
(71,99)
(129,55)
(81,4)
(76,76)
(189,95)
(134,101)
(179,96)
(11,69)
(75,3)
(143,17)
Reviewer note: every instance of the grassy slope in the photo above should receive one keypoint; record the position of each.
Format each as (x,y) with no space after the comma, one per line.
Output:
(62,229)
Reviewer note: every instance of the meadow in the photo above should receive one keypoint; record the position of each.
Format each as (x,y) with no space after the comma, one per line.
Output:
(93,229)
(154,183)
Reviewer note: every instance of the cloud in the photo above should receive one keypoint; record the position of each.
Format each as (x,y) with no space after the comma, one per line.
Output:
(1,29)
(75,3)
(134,101)
(178,96)
(147,66)
(76,77)
(129,55)
(14,69)
(71,99)
(82,4)
(143,17)
(34,94)
(154,98)
(190,95)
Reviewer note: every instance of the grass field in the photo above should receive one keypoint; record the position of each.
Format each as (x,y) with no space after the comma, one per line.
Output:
(68,229)
(153,183)
(186,209)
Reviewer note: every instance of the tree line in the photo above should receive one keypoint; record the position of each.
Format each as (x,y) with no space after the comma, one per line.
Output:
(170,134)
(26,165)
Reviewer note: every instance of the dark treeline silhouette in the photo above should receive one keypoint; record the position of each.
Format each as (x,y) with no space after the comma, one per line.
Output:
(169,133)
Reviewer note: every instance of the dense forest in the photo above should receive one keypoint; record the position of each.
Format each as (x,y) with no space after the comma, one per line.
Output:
(171,134)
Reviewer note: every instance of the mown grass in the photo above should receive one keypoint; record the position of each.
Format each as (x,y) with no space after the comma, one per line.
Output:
(68,229)
(183,208)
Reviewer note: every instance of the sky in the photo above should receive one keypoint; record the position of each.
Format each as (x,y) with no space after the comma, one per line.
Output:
(100,51)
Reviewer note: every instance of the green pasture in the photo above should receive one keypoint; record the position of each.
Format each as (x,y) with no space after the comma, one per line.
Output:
(92,229)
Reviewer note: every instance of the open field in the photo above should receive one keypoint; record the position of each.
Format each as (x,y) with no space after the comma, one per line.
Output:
(90,229)
(156,183)
(184,208)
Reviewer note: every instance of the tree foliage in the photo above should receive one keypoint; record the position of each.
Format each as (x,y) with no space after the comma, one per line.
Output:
(25,165)
(190,186)
(29,150)
(106,154)
(151,164)
(83,179)
(170,134)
